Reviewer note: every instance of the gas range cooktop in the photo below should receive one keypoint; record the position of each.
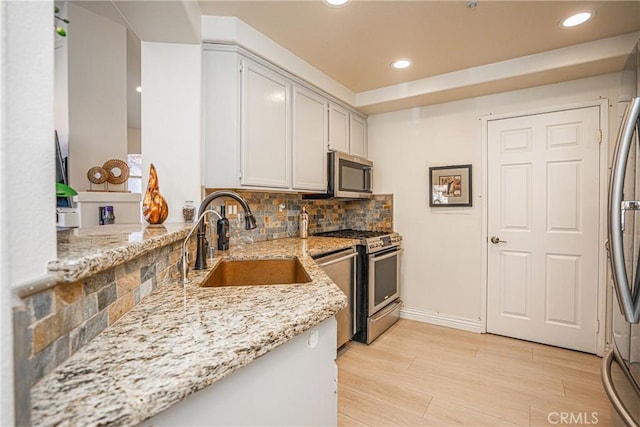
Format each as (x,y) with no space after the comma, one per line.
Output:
(374,241)
(352,234)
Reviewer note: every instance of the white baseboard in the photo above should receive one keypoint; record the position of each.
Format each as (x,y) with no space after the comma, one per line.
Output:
(472,325)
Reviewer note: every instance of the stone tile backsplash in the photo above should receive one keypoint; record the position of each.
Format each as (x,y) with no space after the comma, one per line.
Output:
(372,214)
(277,214)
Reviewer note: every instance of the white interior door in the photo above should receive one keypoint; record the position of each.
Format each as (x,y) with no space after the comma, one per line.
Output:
(543,206)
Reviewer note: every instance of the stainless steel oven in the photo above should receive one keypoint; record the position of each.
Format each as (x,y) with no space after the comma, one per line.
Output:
(383,292)
(377,300)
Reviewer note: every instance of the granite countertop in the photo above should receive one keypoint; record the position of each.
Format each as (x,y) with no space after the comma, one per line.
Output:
(183,338)
(83,252)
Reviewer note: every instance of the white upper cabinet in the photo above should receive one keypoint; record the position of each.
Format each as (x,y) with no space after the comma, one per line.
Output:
(266,131)
(309,140)
(247,124)
(347,131)
(221,120)
(357,136)
(338,128)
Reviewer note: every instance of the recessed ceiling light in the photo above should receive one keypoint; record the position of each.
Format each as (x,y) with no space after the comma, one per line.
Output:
(576,19)
(401,63)
(139,89)
(335,3)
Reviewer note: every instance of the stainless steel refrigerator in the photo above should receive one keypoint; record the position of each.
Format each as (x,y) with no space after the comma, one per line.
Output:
(621,365)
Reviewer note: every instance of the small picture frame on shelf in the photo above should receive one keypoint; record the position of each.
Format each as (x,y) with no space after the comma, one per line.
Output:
(450,186)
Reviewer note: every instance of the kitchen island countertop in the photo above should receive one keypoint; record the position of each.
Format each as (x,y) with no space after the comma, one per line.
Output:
(183,338)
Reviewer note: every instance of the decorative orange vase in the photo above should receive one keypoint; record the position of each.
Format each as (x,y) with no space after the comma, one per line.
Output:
(154,206)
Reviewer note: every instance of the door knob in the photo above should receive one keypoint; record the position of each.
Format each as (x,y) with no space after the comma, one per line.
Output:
(495,240)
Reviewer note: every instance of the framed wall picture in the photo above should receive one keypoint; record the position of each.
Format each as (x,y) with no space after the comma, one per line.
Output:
(450,186)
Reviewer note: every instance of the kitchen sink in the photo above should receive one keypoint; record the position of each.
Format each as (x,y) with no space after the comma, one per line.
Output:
(253,272)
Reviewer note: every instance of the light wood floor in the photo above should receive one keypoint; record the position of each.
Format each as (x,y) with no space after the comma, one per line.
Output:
(423,375)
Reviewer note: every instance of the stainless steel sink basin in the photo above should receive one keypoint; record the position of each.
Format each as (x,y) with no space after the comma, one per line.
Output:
(257,272)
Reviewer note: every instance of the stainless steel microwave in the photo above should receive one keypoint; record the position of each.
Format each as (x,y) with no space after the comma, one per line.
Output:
(350,177)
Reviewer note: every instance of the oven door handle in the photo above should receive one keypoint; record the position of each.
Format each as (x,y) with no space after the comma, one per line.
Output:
(385,255)
(337,260)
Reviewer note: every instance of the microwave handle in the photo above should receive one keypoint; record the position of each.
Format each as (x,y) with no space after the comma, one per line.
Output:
(368,180)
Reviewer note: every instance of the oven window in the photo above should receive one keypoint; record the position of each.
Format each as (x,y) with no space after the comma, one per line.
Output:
(386,276)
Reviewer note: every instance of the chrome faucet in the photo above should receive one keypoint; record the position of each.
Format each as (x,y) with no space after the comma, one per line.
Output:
(183,265)
(201,250)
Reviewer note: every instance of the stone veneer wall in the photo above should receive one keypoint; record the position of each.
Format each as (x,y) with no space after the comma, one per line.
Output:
(57,322)
(277,214)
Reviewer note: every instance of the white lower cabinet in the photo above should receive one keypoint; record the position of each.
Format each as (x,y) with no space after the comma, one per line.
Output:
(295,384)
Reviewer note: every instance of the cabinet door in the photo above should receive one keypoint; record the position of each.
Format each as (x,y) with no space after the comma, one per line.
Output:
(265,129)
(309,141)
(221,120)
(338,128)
(358,136)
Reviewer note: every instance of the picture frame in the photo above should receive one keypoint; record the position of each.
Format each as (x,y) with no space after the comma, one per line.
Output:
(450,186)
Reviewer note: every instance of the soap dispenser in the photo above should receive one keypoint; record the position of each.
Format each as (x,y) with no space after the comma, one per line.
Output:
(304,224)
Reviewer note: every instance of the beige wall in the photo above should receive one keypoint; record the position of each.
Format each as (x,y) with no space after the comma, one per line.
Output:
(171,110)
(97,65)
(134,141)
(442,263)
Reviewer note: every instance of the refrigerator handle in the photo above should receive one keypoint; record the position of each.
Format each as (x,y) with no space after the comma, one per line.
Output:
(607,383)
(629,306)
